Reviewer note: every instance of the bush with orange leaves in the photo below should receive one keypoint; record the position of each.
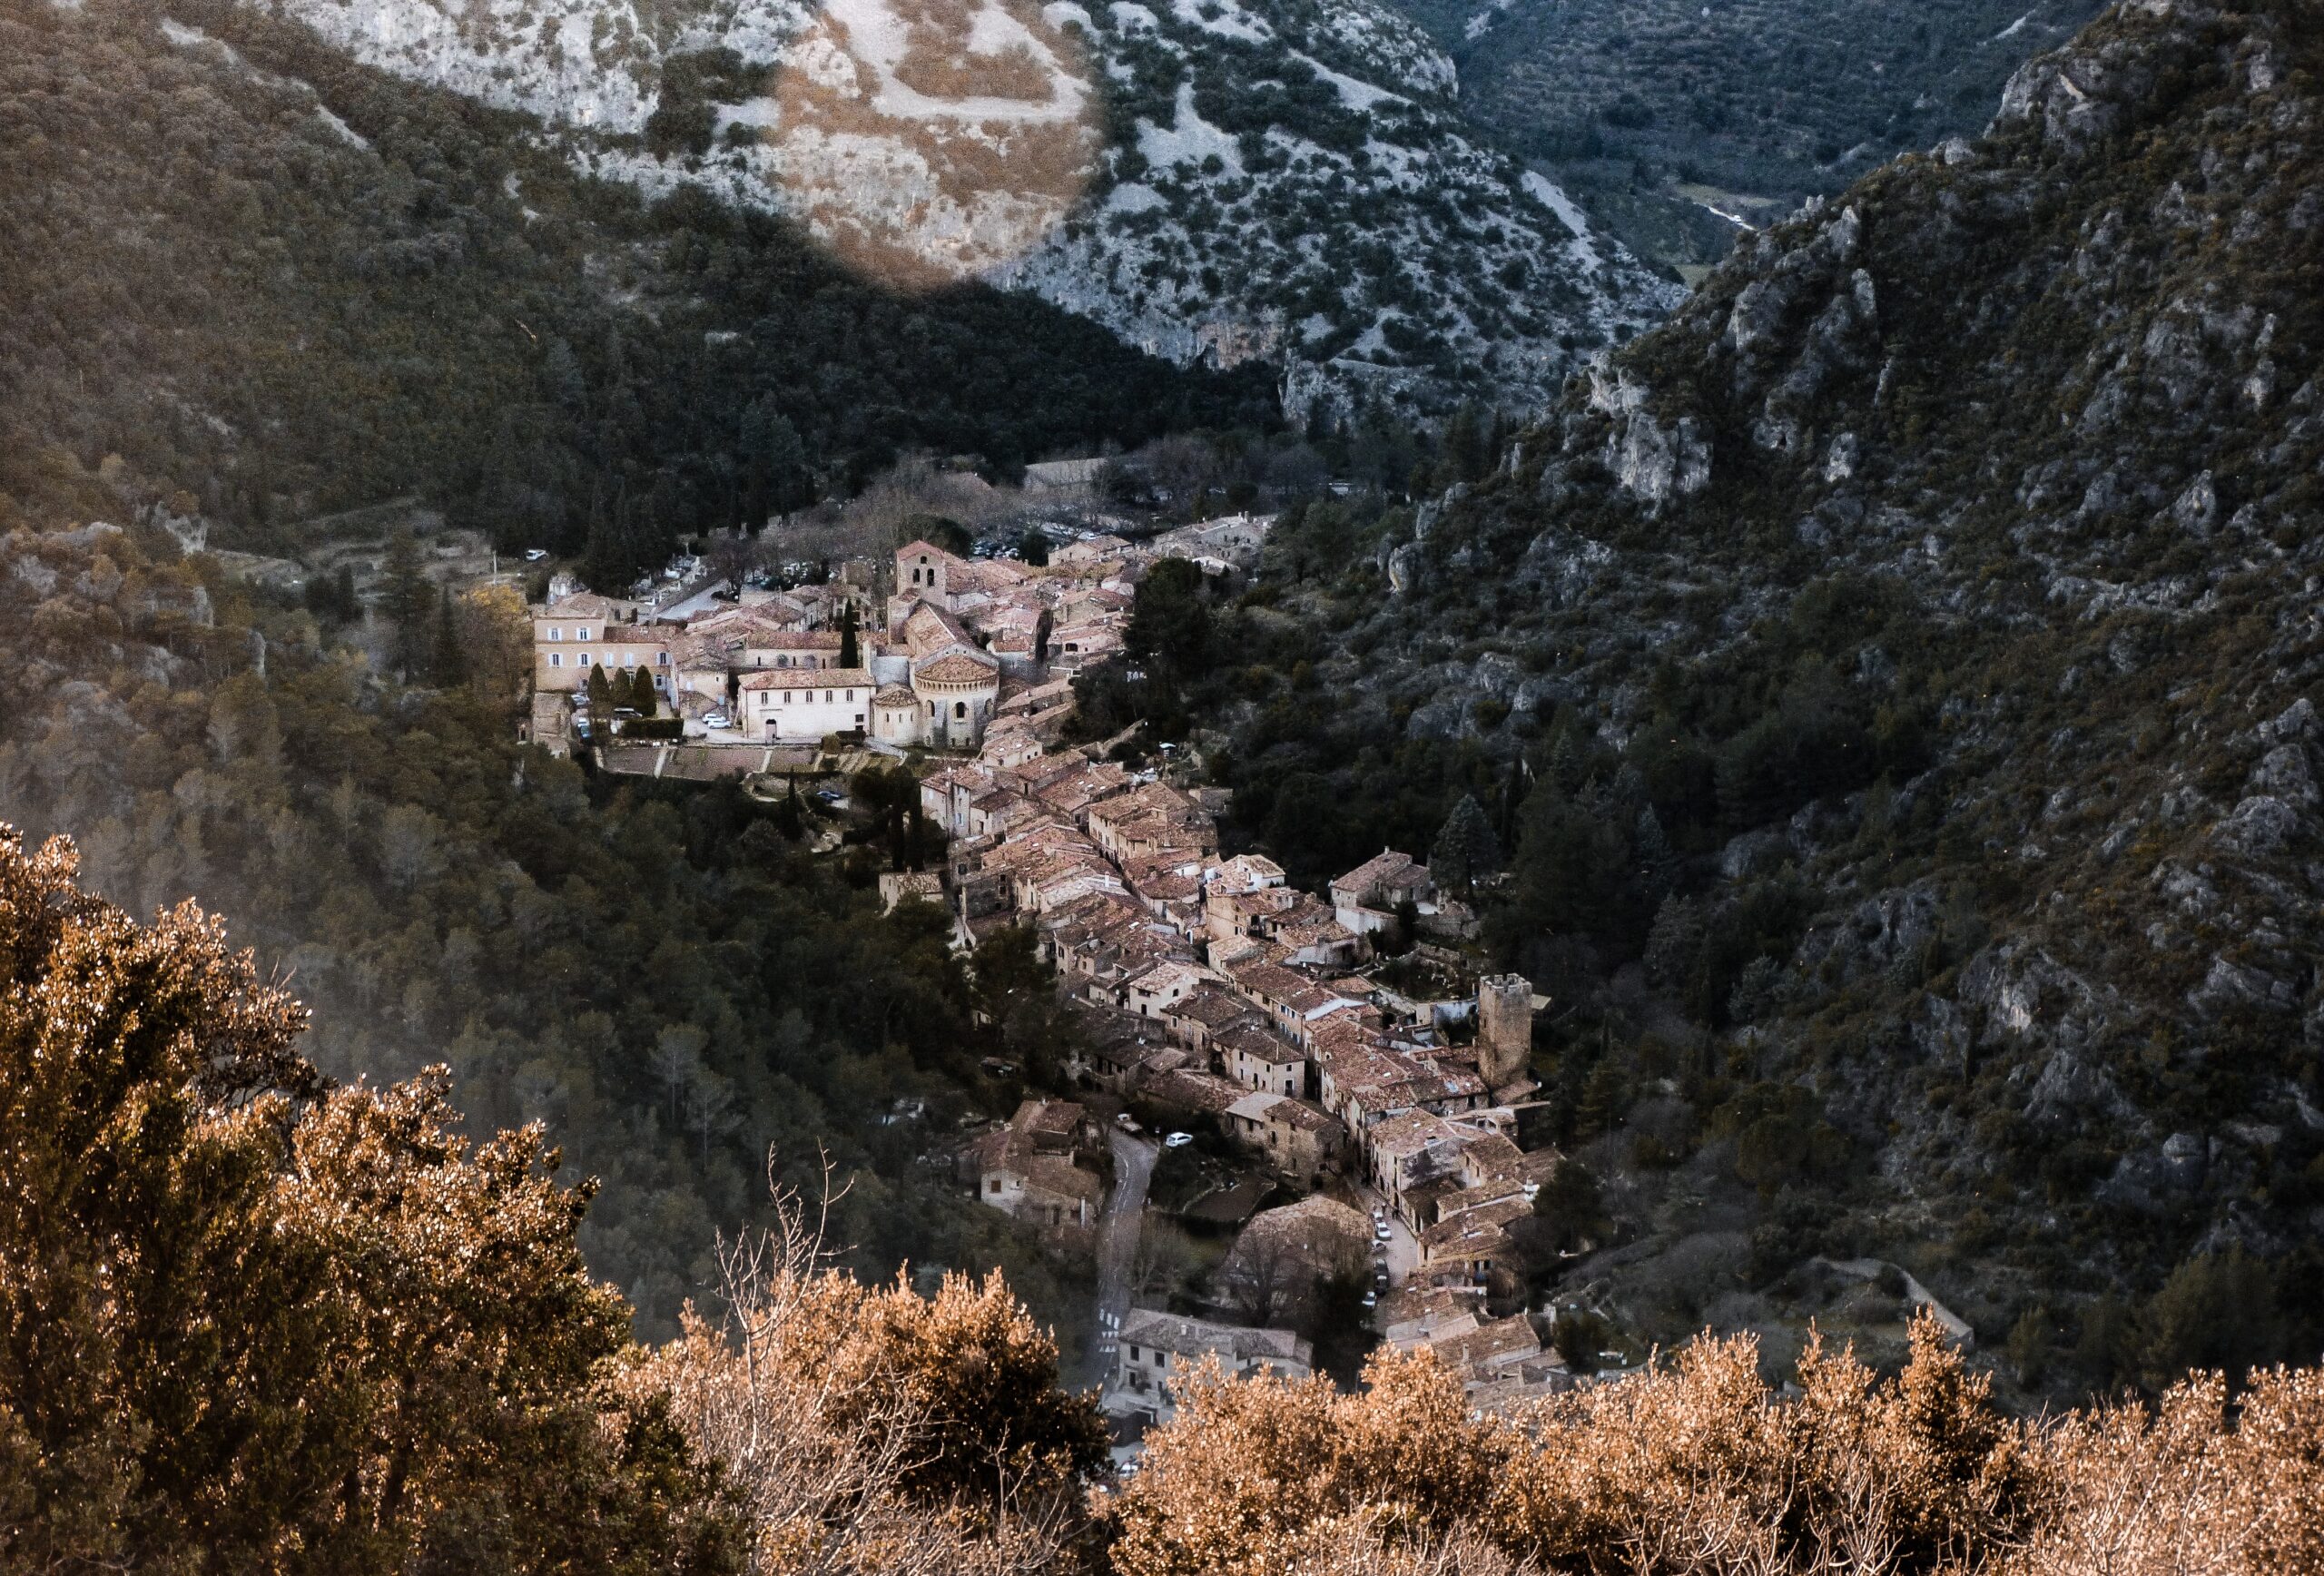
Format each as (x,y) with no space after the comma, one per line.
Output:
(1696,1467)
(869,1429)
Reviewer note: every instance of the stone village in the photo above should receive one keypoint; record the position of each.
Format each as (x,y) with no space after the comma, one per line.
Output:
(1392,1103)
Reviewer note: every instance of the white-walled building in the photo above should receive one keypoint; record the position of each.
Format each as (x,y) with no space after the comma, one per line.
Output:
(791,705)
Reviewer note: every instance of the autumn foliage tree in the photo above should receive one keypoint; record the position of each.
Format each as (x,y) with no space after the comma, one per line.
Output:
(1697,1466)
(250,1322)
(869,1428)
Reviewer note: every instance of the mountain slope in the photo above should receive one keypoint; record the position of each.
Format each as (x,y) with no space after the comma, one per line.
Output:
(1912,654)
(1739,108)
(293,285)
(1277,179)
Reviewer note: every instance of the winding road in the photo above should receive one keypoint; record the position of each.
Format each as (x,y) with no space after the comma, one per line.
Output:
(1118,1229)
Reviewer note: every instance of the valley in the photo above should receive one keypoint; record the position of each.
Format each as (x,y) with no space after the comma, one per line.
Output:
(954,785)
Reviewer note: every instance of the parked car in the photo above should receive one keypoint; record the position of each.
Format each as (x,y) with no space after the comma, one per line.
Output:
(1123,1120)
(1383,1232)
(1177,1141)
(535,555)
(717,720)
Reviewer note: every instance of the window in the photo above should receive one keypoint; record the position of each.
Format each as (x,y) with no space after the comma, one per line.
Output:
(991,1187)
(960,709)
(786,697)
(661,659)
(582,660)
(582,633)
(851,695)
(1133,1354)
(827,697)
(629,659)
(555,633)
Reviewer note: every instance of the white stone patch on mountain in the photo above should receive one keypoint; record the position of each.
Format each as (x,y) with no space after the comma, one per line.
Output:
(1553,198)
(1285,181)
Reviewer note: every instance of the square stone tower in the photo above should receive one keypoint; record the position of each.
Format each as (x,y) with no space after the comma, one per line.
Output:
(1504,1028)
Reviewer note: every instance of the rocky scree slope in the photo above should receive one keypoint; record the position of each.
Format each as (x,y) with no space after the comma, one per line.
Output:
(1213,180)
(1958,544)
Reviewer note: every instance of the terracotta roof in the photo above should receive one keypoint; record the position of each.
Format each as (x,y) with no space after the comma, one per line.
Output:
(956,668)
(807,678)
(1509,1340)
(794,639)
(1210,1006)
(1385,867)
(1185,1338)
(1196,1091)
(1472,1233)
(1251,1040)
(895,695)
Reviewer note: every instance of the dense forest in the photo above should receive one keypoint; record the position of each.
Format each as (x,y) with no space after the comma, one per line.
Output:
(293,286)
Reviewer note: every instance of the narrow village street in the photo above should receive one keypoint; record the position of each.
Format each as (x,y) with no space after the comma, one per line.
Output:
(1118,1231)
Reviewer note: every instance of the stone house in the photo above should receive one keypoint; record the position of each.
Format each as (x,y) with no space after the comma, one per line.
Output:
(1366,898)
(1155,1349)
(1028,1168)
(1468,1246)
(1297,1139)
(1154,992)
(1259,1060)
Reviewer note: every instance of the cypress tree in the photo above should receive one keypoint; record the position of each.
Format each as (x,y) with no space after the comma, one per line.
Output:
(851,650)
(405,598)
(1466,849)
(448,664)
